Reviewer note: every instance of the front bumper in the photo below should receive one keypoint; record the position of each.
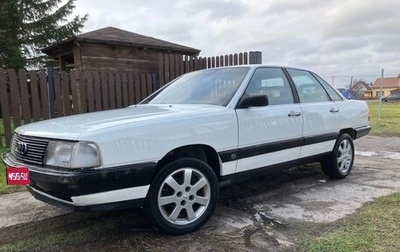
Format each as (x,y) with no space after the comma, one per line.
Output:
(89,189)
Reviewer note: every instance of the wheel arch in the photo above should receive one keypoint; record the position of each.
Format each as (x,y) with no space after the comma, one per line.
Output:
(349,131)
(202,152)
(339,163)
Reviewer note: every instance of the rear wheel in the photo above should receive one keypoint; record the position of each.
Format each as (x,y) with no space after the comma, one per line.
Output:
(340,162)
(183,196)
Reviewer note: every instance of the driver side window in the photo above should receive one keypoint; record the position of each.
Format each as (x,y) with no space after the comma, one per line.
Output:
(273,83)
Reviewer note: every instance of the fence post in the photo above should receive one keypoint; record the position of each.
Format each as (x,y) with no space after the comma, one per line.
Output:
(50,92)
(5,109)
(255,57)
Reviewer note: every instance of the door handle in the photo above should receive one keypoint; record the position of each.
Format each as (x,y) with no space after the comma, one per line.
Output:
(334,110)
(292,113)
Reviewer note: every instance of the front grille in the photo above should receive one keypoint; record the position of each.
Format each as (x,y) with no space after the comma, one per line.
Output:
(34,150)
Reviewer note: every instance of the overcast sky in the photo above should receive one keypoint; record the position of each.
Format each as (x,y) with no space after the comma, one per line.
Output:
(340,38)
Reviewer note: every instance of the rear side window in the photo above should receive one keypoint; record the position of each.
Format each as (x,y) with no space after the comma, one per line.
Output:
(273,83)
(332,92)
(308,88)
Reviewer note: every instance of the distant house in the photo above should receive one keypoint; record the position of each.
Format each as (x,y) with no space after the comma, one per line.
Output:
(361,90)
(113,49)
(389,84)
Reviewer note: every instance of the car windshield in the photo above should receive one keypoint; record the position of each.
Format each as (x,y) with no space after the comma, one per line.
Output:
(213,86)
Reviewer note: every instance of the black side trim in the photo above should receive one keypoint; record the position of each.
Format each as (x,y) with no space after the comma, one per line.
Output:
(320,138)
(362,131)
(268,148)
(256,150)
(262,171)
(230,155)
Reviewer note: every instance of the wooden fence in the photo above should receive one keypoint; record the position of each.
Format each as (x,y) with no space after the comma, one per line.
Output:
(27,97)
(172,66)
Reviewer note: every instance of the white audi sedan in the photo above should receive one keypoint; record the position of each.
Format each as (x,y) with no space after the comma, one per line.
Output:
(172,152)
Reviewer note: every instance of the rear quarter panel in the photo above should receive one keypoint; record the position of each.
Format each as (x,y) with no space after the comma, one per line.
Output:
(354,113)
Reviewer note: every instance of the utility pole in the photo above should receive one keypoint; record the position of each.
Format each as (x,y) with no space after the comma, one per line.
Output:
(351,86)
(380,94)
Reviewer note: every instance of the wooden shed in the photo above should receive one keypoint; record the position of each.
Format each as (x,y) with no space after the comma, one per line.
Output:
(113,49)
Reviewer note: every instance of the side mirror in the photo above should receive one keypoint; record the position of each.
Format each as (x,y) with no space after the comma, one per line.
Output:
(253,101)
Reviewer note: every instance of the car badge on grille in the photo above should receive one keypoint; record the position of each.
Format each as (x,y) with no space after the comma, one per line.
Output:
(21,148)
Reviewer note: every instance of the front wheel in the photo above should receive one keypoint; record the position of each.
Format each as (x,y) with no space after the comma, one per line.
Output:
(340,162)
(183,196)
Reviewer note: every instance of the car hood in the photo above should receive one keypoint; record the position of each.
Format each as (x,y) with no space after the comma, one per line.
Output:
(73,127)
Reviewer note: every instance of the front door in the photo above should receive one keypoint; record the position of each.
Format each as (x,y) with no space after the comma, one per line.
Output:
(269,134)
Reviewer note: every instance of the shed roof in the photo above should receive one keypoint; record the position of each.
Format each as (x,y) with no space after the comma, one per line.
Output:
(387,82)
(114,36)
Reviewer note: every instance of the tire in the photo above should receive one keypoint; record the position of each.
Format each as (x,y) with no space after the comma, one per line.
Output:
(340,162)
(183,196)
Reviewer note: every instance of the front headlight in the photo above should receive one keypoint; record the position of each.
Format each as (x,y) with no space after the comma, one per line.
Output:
(72,154)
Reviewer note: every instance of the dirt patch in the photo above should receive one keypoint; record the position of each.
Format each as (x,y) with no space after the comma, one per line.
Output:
(259,215)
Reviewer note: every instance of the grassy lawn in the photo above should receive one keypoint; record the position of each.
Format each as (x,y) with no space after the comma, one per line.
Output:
(375,227)
(389,122)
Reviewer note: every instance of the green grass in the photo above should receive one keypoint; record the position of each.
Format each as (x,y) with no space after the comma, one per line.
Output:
(375,227)
(387,124)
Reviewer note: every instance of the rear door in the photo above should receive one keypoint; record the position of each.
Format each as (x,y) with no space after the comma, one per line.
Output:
(322,116)
(269,134)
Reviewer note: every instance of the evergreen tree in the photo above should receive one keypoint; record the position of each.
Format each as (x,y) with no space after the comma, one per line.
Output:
(27,26)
